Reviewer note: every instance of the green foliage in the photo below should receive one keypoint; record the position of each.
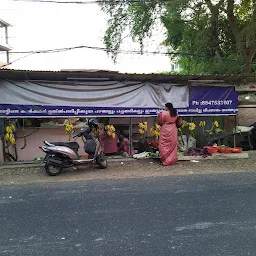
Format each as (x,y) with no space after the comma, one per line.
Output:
(134,18)
(210,66)
(244,10)
(210,37)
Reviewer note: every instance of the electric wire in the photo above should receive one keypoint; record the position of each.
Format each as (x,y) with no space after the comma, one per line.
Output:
(136,52)
(100,2)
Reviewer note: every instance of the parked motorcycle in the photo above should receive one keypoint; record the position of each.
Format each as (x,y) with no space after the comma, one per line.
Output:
(60,155)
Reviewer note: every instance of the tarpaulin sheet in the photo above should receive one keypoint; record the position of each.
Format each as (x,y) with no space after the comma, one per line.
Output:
(26,98)
(110,98)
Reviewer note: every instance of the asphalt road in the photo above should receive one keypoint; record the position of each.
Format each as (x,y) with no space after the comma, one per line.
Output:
(190,215)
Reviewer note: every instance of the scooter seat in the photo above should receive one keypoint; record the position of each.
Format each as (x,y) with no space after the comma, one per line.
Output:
(72,145)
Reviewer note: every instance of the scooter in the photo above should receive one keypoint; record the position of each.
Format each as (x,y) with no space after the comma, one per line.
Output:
(60,155)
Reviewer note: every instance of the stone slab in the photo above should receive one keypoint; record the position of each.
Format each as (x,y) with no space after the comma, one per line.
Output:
(217,156)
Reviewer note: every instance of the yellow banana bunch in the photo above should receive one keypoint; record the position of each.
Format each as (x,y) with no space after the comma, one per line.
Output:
(155,131)
(12,127)
(12,141)
(9,137)
(185,124)
(111,131)
(8,129)
(202,123)
(143,127)
(191,126)
(141,131)
(111,128)
(216,124)
(68,128)
(155,134)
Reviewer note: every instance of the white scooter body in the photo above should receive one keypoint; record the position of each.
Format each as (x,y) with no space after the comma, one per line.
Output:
(62,156)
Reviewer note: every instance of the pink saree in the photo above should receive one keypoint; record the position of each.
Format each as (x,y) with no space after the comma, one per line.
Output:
(168,143)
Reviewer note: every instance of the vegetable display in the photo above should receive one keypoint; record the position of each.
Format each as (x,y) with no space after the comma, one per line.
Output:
(144,155)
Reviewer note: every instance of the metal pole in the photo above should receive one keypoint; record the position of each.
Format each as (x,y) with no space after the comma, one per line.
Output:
(6,35)
(3,145)
(3,141)
(7,57)
(130,135)
(235,131)
(7,41)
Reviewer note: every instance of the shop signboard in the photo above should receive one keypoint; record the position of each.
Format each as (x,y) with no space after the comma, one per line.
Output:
(202,101)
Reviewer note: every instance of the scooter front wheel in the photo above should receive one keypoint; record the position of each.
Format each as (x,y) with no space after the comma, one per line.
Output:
(52,170)
(102,161)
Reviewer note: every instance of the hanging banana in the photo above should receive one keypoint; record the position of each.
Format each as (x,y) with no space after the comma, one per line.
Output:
(69,128)
(111,131)
(9,136)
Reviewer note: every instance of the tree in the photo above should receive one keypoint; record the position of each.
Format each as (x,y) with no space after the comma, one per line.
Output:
(242,20)
(210,36)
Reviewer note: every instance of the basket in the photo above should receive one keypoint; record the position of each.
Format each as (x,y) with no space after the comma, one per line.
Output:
(237,150)
(212,150)
(225,150)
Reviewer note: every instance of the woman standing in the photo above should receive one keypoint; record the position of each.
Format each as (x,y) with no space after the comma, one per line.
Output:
(168,143)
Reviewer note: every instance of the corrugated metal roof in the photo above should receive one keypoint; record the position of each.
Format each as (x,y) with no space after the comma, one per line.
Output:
(63,75)
(33,70)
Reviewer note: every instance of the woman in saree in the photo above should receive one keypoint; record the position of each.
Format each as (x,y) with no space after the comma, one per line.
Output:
(168,143)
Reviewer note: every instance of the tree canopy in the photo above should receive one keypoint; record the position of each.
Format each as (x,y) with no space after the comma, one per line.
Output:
(208,36)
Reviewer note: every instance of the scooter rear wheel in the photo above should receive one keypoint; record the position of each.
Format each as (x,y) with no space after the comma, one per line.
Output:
(52,170)
(101,161)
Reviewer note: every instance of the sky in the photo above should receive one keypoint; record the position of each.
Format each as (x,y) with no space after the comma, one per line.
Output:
(40,26)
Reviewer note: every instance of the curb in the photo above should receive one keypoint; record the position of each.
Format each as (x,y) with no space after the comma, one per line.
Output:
(32,164)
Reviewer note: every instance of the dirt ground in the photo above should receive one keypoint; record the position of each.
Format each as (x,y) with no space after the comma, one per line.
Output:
(129,169)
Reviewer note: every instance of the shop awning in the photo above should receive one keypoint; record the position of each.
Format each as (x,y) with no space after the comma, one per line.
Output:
(111,98)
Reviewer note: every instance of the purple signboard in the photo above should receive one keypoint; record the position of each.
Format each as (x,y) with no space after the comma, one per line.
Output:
(202,101)
(211,100)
